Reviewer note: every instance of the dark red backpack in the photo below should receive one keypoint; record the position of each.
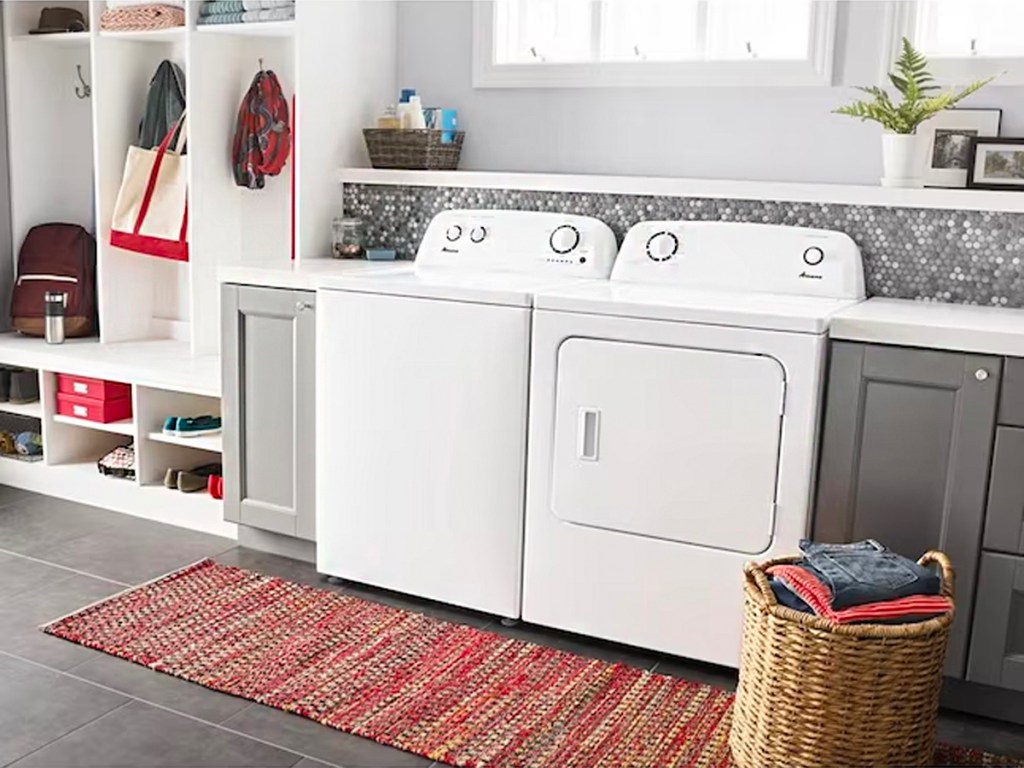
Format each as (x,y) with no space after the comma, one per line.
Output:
(263,134)
(60,258)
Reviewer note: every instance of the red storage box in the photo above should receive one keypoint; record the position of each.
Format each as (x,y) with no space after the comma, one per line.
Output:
(97,389)
(91,409)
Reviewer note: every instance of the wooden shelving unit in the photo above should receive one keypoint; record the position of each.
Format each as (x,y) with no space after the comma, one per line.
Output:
(123,427)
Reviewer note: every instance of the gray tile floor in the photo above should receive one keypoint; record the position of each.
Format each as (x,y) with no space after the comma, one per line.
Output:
(64,705)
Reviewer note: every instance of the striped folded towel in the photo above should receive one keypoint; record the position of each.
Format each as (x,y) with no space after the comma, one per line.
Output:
(217,7)
(273,14)
(818,597)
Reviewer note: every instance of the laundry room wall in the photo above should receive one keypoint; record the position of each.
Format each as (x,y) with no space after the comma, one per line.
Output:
(769,133)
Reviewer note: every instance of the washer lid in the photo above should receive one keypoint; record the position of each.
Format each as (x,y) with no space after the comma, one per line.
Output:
(800,314)
(503,288)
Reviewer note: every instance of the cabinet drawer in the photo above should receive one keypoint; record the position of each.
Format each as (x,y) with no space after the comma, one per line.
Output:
(1011,402)
(997,640)
(1004,516)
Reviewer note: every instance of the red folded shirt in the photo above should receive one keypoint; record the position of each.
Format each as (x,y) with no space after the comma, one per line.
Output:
(810,589)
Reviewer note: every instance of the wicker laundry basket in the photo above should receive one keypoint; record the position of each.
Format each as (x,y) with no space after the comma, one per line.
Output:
(414,149)
(813,693)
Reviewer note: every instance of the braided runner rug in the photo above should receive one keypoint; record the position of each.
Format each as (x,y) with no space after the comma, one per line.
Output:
(449,692)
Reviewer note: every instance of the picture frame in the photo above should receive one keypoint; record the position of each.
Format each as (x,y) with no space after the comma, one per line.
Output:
(949,143)
(997,163)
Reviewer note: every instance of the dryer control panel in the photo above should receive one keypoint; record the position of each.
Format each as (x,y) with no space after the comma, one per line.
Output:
(732,256)
(527,242)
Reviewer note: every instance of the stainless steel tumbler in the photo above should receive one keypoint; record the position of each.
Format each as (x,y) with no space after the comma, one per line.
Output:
(54,304)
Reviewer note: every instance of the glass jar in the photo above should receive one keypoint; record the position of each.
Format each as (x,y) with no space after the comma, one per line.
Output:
(347,238)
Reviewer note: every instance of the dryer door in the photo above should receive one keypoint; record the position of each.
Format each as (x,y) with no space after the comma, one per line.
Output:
(668,442)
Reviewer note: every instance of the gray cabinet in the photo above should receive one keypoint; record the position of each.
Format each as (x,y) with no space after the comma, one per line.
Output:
(268,338)
(997,642)
(906,446)
(1004,524)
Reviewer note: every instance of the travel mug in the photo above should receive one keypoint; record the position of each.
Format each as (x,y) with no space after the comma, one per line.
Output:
(54,304)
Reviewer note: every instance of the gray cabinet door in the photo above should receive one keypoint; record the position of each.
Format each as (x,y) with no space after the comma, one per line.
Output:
(997,643)
(1004,523)
(906,444)
(269,419)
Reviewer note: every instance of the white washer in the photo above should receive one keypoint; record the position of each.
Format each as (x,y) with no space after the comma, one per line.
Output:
(422,383)
(673,425)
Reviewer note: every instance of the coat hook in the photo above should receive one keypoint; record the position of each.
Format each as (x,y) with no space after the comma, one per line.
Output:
(260,60)
(83,91)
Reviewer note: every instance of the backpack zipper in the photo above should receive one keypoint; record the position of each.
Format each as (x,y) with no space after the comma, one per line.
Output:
(55,278)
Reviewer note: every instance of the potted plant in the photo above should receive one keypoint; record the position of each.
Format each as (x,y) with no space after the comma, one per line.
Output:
(904,151)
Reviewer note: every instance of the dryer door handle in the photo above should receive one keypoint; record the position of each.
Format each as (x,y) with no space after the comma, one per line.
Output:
(588,434)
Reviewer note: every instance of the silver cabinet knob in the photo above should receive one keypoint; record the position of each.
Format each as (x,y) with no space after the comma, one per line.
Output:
(302,306)
(981,374)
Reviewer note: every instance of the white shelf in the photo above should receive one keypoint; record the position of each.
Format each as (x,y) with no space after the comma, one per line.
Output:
(35,410)
(123,427)
(252,29)
(169,35)
(212,443)
(57,38)
(839,194)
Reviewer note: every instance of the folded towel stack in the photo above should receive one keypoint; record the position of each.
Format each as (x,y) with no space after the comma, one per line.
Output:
(859,583)
(246,11)
(126,15)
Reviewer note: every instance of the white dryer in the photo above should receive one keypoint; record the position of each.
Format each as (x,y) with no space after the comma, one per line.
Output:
(422,384)
(673,423)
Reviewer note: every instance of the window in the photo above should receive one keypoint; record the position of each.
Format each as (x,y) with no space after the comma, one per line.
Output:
(965,39)
(653,42)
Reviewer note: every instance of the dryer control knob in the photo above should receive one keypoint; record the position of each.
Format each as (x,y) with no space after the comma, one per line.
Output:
(478,234)
(453,233)
(662,246)
(813,256)
(564,238)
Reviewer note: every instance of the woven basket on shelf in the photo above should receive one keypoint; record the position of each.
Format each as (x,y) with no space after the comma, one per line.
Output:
(813,693)
(413,149)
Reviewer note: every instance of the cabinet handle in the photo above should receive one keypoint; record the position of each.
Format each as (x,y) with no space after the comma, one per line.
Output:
(302,306)
(981,374)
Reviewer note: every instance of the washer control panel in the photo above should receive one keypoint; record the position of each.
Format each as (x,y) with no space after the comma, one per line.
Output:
(731,256)
(519,241)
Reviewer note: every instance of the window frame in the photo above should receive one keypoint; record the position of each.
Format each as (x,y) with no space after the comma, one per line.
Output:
(816,70)
(901,22)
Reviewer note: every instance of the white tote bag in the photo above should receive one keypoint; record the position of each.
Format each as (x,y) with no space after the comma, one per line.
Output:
(151,211)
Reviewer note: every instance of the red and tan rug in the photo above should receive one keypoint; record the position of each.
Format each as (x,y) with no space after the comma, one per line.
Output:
(449,692)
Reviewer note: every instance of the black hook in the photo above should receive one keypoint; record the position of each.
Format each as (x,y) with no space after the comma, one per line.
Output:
(83,91)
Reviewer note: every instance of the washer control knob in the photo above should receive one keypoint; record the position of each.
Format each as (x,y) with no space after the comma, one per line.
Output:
(813,256)
(477,234)
(564,238)
(662,246)
(454,233)
(981,374)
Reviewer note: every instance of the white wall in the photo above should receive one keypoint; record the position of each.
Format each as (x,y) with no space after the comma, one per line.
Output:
(785,134)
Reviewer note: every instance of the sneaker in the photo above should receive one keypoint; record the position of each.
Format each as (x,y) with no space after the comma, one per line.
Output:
(191,481)
(24,386)
(171,426)
(200,425)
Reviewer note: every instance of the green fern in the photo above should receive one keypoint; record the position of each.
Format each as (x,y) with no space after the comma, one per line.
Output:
(917,87)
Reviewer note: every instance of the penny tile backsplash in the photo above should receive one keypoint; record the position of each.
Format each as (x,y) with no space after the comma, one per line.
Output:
(969,257)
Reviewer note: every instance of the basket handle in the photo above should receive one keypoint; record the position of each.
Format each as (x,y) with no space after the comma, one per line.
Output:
(934,557)
(754,575)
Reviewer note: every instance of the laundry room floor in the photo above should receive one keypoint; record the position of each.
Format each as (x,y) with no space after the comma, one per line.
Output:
(65,705)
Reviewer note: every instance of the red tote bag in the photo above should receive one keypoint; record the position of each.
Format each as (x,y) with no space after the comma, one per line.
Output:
(151,211)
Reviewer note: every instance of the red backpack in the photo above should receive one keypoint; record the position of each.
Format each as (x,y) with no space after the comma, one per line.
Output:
(263,135)
(59,258)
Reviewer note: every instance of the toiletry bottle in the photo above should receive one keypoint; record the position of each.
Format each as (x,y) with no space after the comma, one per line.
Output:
(390,118)
(404,110)
(415,112)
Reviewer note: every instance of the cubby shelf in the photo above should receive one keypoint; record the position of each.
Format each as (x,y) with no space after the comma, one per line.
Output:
(256,29)
(169,35)
(123,427)
(34,409)
(57,38)
(212,443)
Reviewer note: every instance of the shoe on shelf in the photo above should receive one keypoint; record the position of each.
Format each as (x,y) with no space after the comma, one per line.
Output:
(215,486)
(198,426)
(194,480)
(24,386)
(171,426)
(5,385)
(171,478)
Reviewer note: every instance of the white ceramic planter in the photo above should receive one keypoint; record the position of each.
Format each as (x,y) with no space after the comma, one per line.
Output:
(904,159)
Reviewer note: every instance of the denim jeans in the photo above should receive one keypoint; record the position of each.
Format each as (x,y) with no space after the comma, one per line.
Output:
(867,572)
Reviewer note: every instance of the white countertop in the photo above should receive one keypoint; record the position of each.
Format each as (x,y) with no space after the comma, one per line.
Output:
(935,325)
(304,275)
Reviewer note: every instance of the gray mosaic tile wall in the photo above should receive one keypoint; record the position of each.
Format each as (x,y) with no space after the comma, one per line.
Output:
(969,257)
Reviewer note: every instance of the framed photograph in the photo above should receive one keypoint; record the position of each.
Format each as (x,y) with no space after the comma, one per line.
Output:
(996,164)
(949,145)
